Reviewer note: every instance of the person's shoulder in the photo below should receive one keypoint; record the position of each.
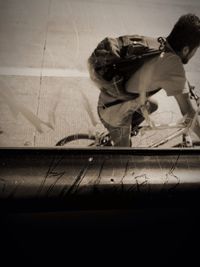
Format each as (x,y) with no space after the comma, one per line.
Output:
(171,57)
(170,61)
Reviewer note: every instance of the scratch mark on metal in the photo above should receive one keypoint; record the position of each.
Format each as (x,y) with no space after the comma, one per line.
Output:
(97,181)
(171,173)
(139,184)
(59,175)
(78,179)
(124,175)
(52,172)
(14,190)
(3,182)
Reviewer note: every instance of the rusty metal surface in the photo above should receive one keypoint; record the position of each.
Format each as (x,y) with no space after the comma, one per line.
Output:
(92,177)
(88,202)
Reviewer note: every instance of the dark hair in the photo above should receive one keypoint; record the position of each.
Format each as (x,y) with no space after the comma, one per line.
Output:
(186,32)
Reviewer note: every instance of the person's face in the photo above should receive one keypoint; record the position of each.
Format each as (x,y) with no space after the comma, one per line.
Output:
(186,54)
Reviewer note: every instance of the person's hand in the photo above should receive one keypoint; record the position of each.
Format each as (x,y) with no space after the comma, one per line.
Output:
(114,47)
(145,114)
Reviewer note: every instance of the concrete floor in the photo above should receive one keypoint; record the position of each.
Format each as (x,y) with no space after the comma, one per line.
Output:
(44,46)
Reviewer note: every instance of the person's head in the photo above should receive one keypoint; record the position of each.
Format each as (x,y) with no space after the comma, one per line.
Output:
(185,36)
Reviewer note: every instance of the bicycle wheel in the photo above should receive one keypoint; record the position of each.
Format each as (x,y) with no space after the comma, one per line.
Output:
(80,140)
(195,144)
(188,142)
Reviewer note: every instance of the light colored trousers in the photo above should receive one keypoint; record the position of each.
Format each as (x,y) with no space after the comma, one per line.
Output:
(121,118)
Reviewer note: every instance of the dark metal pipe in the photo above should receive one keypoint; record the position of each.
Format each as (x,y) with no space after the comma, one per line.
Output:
(90,201)
(58,178)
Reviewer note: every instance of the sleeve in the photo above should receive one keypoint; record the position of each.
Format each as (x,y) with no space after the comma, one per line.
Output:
(170,75)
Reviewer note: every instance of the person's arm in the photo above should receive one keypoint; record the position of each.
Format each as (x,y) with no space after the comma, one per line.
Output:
(187,110)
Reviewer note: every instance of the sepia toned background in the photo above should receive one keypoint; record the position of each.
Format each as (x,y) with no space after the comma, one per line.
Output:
(45,90)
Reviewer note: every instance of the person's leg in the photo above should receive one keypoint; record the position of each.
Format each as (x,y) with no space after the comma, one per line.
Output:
(137,117)
(119,135)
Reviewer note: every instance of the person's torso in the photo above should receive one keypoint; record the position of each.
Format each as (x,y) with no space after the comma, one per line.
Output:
(162,71)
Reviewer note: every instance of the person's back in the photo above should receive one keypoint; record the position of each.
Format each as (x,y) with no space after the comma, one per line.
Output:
(162,71)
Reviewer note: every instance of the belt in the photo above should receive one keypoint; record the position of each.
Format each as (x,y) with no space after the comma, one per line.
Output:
(107,105)
(119,101)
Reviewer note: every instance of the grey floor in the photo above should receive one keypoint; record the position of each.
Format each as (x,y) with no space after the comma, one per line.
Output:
(45,91)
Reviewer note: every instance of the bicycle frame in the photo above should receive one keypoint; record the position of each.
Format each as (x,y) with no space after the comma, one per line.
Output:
(179,132)
(182,128)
